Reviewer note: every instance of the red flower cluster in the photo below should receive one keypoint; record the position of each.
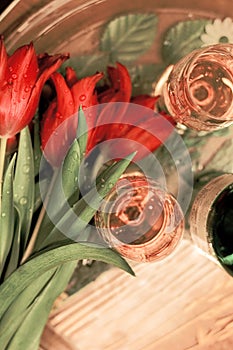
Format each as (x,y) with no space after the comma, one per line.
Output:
(22,77)
(130,127)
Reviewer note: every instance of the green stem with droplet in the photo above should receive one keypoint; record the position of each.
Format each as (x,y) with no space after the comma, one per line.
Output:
(35,232)
(3,144)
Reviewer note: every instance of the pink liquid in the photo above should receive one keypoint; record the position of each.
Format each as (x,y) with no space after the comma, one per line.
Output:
(140,220)
(199,90)
(209,89)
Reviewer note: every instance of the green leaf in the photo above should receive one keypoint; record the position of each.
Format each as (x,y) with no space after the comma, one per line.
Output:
(127,37)
(14,324)
(14,255)
(182,38)
(87,65)
(70,170)
(7,215)
(38,200)
(143,76)
(32,325)
(36,145)
(24,183)
(65,185)
(78,217)
(32,269)
(82,132)
(24,300)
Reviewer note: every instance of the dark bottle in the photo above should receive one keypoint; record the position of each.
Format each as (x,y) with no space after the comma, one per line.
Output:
(211,220)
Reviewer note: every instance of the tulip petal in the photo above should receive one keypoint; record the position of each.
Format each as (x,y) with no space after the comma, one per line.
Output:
(84,91)
(24,67)
(56,134)
(121,88)
(47,66)
(4,70)
(71,77)
(137,129)
(145,100)
(65,103)
(7,123)
(24,70)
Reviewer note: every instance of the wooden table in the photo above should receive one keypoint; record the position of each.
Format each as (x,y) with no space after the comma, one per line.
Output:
(183,302)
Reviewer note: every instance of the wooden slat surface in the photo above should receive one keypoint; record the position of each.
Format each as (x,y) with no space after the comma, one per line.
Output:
(184,302)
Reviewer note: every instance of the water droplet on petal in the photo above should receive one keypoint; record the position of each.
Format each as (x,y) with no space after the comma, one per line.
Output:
(10,69)
(82,97)
(25,75)
(58,115)
(14,76)
(26,89)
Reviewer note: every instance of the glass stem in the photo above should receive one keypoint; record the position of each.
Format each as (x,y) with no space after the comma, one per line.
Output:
(3,144)
(35,232)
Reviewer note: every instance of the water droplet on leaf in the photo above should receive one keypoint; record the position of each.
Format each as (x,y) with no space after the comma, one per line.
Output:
(74,155)
(23,200)
(26,169)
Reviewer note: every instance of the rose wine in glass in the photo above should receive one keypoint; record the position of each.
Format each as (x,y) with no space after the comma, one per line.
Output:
(199,89)
(140,219)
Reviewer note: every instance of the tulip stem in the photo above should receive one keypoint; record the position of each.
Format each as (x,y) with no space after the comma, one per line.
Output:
(35,232)
(3,143)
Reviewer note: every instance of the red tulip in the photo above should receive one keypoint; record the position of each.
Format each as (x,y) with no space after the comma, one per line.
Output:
(130,128)
(120,89)
(71,93)
(133,123)
(22,77)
